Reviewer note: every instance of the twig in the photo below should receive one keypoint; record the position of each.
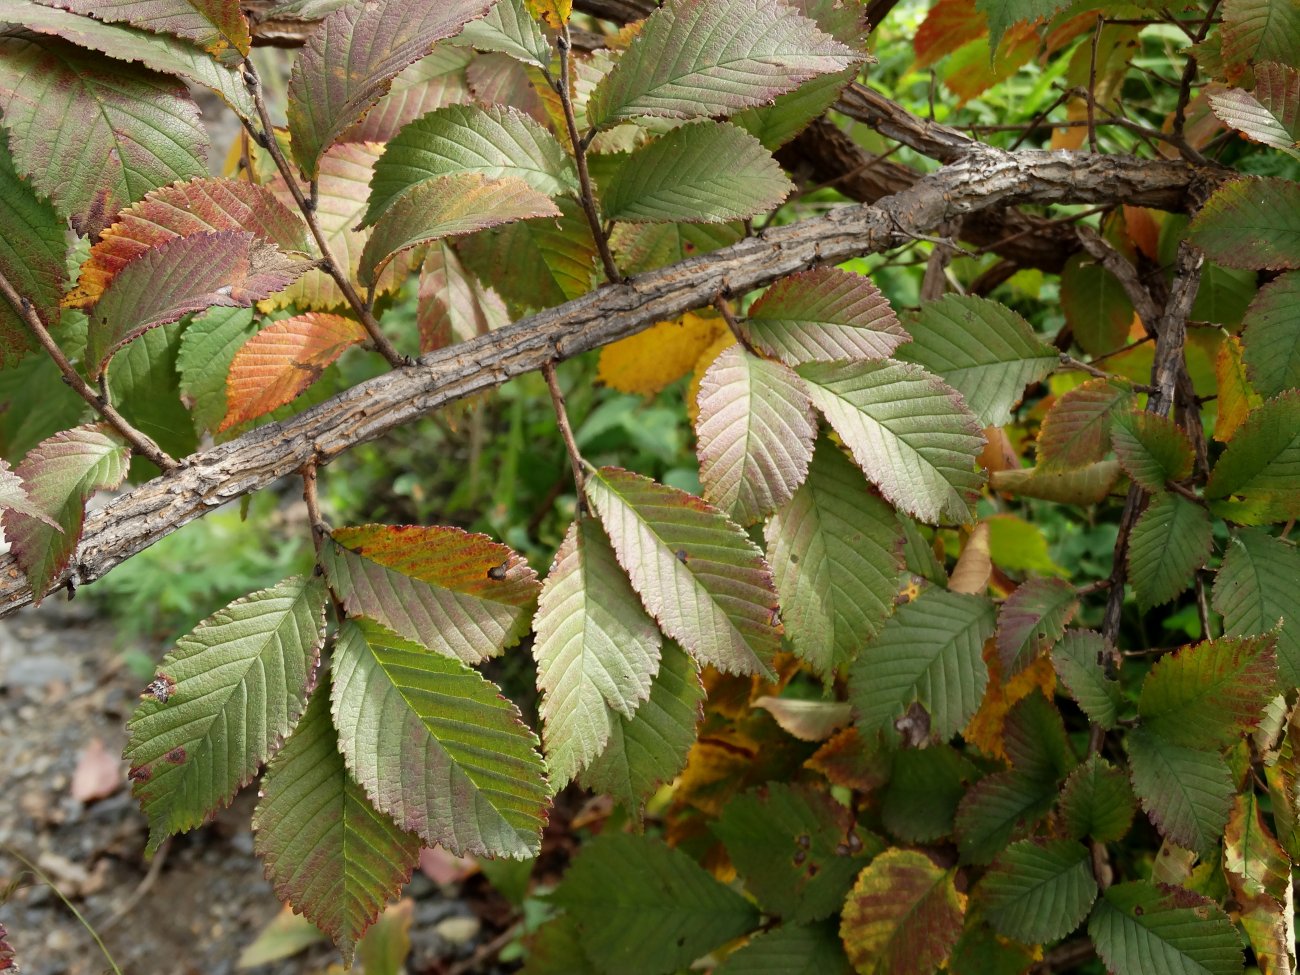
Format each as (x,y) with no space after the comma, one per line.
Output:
(724,309)
(1092,85)
(580,157)
(142,888)
(1203,607)
(307,206)
(489,949)
(316,524)
(566,431)
(140,442)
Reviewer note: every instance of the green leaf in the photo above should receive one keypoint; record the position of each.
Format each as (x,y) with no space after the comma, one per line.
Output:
(1077,429)
(208,346)
(1152,449)
(447,206)
(313,813)
(225,696)
(1097,802)
(556,949)
(982,349)
(824,315)
(642,247)
(673,915)
(788,845)
(350,60)
(1170,541)
(755,434)
(1271,340)
(1038,890)
(903,916)
(929,651)
(776,124)
(1078,660)
(703,172)
(145,385)
(1258,586)
(1140,928)
(836,552)
(510,29)
(1032,620)
(1271,113)
(912,434)
(693,60)
(1251,223)
(790,949)
(217,26)
(14,497)
(697,573)
(60,474)
(650,748)
(1258,465)
(1209,694)
(497,142)
(1035,740)
(95,135)
(31,259)
(995,809)
(1097,309)
(436,746)
(1186,791)
(925,786)
(1261,30)
(597,651)
(226,268)
(1002,14)
(460,594)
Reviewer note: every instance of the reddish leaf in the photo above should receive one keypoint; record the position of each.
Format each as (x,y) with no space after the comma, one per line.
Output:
(1032,619)
(280,361)
(1076,430)
(453,306)
(950,24)
(432,82)
(31,260)
(178,211)
(217,26)
(186,274)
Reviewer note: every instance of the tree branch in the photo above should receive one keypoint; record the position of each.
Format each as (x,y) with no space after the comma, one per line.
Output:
(987,178)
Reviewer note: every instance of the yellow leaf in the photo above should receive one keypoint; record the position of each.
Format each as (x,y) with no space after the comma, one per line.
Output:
(986,727)
(554,12)
(974,567)
(647,362)
(1236,395)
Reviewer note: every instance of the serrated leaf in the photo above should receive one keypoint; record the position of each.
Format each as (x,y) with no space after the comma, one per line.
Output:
(912,434)
(790,949)
(693,59)
(554,12)
(776,124)
(31,259)
(677,913)
(1038,890)
(1080,663)
(282,360)
(1258,586)
(1139,927)
(1032,620)
(1097,802)
(1170,541)
(436,746)
(1209,694)
(1271,113)
(217,26)
(1271,339)
(497,142)
(987,731)
(60,474)
(1251,223)
(1186,791)
(641,247)
(460,594)
(14,497)
(1085,485)
(1152,449)
(447,206)
(995,809)
(208,346)
(824,315)
(1259,874)
(925,786)
(452,305)
(597,651)
(236,685)
(1259,462)
(556,949)
(1002,14)
(144,383)
(1261,30)
(227,268)
(1097,309)
(836,552)
(903,916)
(1077,429)
(755,430)
(982,349)
(929,651)
(1237,396)
(92,134)
(702,172)
(181,209)
(510,29)
(437,79)
(648,361)
(350,60)
(651,747)
(312,812)
(697,573)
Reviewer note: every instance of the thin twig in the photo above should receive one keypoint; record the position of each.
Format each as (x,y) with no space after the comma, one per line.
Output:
(307,206)
(1092,85)
(566,431)
(140,442)
(728,316)
(1124,271)
(580,157)
(316,524)
(1203,607)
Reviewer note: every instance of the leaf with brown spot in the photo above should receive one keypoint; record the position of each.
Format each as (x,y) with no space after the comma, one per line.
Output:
(217,26)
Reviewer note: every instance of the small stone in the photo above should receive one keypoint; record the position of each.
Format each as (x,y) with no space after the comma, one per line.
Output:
(458,930)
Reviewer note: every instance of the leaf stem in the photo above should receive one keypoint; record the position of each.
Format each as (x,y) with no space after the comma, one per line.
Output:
(307,206)
(580,144)
(140,442)
(724,309)
(316,524)
(566,431)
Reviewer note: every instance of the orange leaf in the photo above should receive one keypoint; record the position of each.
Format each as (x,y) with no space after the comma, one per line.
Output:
(1236,395)
(986,728)
(280,361)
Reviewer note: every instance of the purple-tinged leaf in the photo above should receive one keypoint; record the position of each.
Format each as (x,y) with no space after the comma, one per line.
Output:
(1032,619)
(434,81)
(1251,223)
(217,26)
(14,497)
(1271,113)
(453,306)
(31,259)
(1076,430)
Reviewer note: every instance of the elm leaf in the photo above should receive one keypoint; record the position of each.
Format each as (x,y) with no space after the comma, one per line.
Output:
(1078,659)
(1076,430)
(1251,223)
(217,26)
(1148,928)
(1271,338)
(1269,114)
(31,259)
(1038,890)
(1256,588)
(1170,541)
(1032,620)
(1186,791)
(1152,449)
(1259,463)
